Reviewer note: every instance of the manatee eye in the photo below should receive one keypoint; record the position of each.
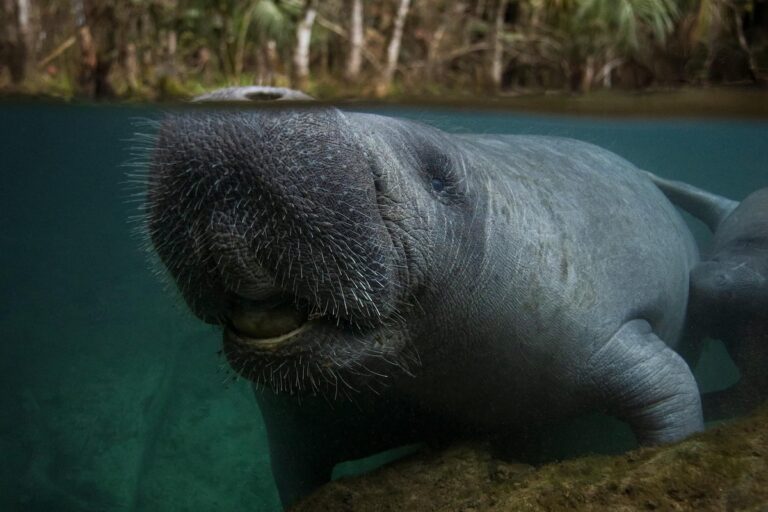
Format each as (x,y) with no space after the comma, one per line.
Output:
(438,173)
(437,169)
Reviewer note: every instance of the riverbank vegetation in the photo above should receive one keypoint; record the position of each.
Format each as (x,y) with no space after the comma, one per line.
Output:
(164,49)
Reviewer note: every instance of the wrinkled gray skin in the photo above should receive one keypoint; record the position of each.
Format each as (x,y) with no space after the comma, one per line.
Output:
(729,301)
(490,283)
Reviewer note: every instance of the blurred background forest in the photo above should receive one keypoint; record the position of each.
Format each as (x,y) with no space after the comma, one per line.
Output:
(164,49)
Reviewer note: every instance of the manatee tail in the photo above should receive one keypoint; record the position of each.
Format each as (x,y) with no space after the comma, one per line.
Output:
(709,208)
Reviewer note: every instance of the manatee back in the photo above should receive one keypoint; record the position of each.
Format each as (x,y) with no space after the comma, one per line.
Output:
(608,245)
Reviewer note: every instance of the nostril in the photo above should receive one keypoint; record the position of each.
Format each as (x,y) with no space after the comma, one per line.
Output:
(264,95)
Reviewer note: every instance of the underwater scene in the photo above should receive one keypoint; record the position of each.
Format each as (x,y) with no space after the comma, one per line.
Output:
(125,238)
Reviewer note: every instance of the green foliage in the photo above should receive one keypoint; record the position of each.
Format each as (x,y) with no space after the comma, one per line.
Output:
(182,46)
(272,20)
(628,23)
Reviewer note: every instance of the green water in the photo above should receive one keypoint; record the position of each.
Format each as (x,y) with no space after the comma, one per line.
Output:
(111,394)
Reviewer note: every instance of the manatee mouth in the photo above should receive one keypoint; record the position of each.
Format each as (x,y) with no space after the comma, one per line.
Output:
(270,225)
(284,343)
(268,322)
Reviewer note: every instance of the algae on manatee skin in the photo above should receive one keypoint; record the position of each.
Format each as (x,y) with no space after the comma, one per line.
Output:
(724,468)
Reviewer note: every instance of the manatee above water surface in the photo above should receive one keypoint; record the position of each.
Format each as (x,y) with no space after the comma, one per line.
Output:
(378,279)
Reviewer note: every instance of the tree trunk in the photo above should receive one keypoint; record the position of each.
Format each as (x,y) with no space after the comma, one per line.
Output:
(8,38)
(25,34)
(88,61)
(606,72)
(168,85)
(170,53)
(86,78)
(715,26)
(303,38)
(146,46)
(753,68)
(480,8)
(242,33)
(225,62)
(261,62)
(325,58)
(356,40)
(497,52)
(272,59)
(96,53)
(17,39)
(433,66)
(588,75)
(393,50)
(131,67)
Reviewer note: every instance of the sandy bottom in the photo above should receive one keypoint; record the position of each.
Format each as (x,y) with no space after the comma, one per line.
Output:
(725,468)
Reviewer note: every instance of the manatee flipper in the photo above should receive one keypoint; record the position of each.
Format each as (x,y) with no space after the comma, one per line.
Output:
(300,457)
(646,384)
(308,440)
(710,208)
(748,347)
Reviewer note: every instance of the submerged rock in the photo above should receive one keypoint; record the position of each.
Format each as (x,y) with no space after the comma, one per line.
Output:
(724,468)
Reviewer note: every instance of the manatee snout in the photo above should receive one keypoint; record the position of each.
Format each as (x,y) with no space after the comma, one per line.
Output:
(269,219)
(729,283)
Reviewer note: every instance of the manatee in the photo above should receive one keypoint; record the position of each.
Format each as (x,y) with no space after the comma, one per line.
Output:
(729,301)
(729,290)
(730,286)
(381,281)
